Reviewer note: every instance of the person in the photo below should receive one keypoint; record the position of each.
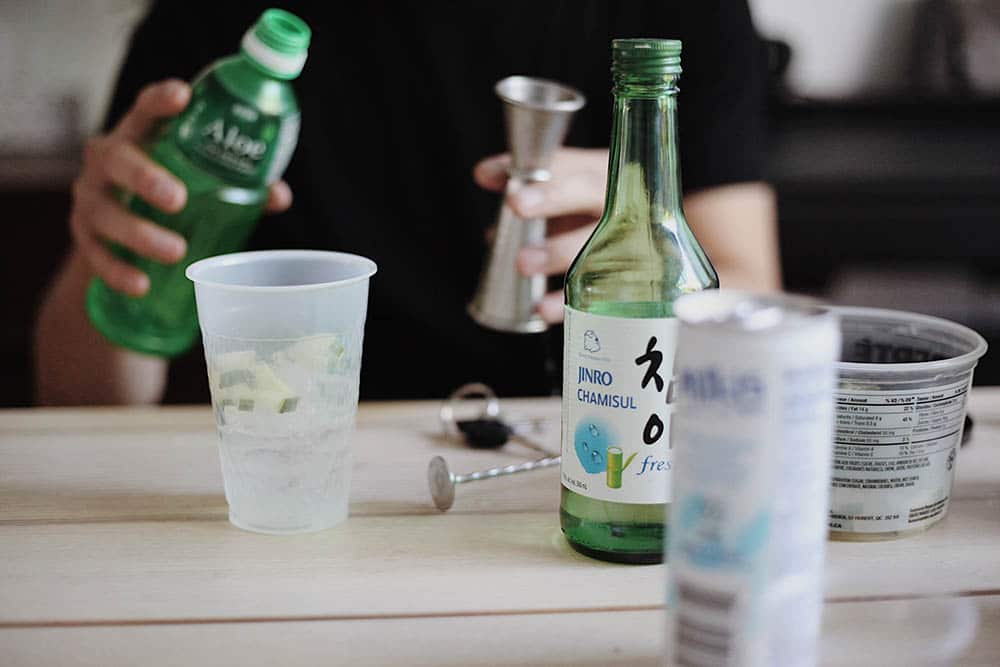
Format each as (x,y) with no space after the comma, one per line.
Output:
(398,109)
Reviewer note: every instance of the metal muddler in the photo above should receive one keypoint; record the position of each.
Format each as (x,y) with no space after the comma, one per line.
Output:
(442,481)
(537,115)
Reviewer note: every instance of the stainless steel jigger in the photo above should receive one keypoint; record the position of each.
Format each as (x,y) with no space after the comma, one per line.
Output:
(537,115)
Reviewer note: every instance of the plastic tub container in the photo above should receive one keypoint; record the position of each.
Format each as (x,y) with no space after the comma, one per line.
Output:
(903,380)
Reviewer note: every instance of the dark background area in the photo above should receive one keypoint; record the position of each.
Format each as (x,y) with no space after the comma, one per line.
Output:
(892,201)
(894,205)
(37,239)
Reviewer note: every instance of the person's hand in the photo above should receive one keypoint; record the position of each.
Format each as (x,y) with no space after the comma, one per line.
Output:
(115,160)
(572,200)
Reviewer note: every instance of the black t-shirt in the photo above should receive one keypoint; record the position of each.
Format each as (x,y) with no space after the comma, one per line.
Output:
(398,105)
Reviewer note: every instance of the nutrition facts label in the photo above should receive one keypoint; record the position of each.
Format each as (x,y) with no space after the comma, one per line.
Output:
(894,456)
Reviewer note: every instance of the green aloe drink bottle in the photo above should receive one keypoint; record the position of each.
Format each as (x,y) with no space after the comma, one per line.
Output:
(232,141)
(620,329)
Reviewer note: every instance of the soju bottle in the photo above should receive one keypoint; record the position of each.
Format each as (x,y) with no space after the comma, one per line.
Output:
(232,141)
(620,329)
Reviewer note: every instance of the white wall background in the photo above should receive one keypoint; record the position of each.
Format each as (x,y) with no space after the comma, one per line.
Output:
(58,61)
(841,48)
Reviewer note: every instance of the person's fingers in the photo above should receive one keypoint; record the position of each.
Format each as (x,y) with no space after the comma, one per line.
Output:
(118,275)
(491,173)
(115,159)
(279,197)
(574,193)
(551,307)
(556,256)
(111,222)
(567,223)
(576,187)
(124,165)
(96,218)
(156,101)
(532,260)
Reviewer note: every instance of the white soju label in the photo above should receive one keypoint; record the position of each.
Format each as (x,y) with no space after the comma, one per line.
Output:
(894,456)
(615,408)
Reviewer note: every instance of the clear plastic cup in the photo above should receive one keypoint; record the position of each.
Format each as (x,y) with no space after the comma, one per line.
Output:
(282,332)
(903,380)
(920,632)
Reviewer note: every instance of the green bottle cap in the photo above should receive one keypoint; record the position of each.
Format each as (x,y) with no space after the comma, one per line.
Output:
(278,43)
(646,57)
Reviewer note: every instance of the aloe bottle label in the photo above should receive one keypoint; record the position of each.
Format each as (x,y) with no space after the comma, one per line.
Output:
(233,139)
(616,407)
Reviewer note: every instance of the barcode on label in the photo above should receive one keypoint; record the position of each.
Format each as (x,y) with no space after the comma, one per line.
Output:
(703,631)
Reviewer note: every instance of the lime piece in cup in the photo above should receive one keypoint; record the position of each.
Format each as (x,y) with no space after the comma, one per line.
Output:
(327,351)
(240,382)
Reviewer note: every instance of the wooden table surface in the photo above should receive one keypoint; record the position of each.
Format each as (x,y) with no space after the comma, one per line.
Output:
(115,550)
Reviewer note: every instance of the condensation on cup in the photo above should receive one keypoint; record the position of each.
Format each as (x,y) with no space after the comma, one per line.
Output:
(752,436)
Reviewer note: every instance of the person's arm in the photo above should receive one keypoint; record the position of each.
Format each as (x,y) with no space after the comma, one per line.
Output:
(728,207)
(73,363)
(735,223)
(722,113)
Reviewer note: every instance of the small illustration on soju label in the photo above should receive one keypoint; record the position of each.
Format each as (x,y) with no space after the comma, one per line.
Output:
(596,453)
(591,343)
(615,467)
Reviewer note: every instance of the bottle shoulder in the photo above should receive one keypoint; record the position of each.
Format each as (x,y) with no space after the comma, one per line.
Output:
(640,241)
(629,259)
(237,78)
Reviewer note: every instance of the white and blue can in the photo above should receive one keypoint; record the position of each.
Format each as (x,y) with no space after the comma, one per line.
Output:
(752,437)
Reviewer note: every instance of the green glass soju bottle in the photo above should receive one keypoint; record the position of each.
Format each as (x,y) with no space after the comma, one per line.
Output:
(228,146)
(620,329)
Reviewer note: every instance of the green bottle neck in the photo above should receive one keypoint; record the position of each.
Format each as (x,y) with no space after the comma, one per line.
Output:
(644,169)
(245,72)
(257,69)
